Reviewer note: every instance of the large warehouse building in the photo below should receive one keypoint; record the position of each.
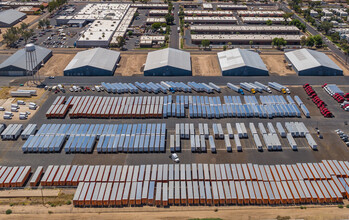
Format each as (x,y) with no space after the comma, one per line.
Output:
(168,62)
(10,17)
(312,63)
(94,62)
(240,62)
(15,65)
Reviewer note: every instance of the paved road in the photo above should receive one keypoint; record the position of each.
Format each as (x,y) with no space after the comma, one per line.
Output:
(313,31)
(174,37)
(286,80)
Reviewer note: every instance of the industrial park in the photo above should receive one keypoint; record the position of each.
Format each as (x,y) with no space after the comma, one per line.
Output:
(174,109)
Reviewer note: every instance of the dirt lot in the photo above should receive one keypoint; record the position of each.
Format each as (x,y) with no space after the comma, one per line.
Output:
(276,65)
(205,65)
(6,100)
(248,212)
(343,67)
(56,64)
(130,64)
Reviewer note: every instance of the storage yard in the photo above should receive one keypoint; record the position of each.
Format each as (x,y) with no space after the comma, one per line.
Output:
(165,129)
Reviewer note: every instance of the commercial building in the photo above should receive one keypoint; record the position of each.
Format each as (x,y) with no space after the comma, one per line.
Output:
(246,29)
(207,13)
(263,20)
(149,6)
(168,62)
(210,20)
(261,13)
(207,6)
(312,63)
(244,39)
(240,62)
(99,34)
(109,21)
(97,11)
(29,10)
(10,17)
(153,20)
(15,65)
(156,12)
(149,41)
(124,24)
(94,62)
(232,7)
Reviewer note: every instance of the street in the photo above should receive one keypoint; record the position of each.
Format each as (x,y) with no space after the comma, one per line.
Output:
(174,37)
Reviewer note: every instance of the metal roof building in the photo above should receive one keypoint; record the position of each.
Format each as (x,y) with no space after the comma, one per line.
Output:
(15,65)
(312,63)
(240,62)
(94,62)
(168,62)
(10,17)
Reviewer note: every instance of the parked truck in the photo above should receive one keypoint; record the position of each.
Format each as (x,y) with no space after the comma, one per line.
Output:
(235,88)
(279,87)
(248,87)
(264,87)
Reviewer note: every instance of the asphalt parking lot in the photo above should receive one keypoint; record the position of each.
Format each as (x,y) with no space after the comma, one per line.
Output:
(331,147)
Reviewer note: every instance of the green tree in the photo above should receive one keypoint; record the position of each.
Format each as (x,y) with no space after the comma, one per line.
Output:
(335,37)
(225,47)
(287,16)
(205,43)
(156,25)
(120,42)
(42,7)
(169,18)
(298,24)
(24,26)
(129,33)
(47,22)
(310,42)
(41,24)
(251,43)
(326,26)
(269,22)
(229,44)
(318,40)
(279,42)
(26,34)
(11,35)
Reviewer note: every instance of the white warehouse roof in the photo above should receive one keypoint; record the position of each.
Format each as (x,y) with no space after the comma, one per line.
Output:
(237,58)
(304,59)
(99,57)
(168,57)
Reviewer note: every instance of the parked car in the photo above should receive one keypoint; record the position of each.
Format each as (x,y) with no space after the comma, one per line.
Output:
(174,157)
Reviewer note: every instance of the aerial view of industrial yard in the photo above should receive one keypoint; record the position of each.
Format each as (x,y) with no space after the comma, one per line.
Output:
(164,109)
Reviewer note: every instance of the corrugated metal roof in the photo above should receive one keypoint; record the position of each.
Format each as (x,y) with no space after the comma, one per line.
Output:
(168,57)
(307,59)
(237,58)
(18,58)
(99,57)
(11,15)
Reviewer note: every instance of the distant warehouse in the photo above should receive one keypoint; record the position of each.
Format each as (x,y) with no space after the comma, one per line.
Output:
(15,65)
(94,62)
(240,62)
(168,62)
(10,17)
(312,63)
